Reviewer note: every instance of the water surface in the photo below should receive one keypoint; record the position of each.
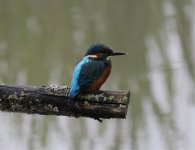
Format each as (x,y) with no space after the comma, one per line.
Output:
(40,42)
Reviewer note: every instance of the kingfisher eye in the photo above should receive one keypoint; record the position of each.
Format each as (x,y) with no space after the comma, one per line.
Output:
(108,51)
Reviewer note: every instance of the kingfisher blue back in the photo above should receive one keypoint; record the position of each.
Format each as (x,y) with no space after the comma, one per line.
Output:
(92,71)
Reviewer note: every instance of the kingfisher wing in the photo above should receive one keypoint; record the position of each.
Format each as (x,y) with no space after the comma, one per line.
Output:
(85,72)
(75,88)
(90,72)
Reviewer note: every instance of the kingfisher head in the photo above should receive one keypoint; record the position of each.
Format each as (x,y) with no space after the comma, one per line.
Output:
(99,50)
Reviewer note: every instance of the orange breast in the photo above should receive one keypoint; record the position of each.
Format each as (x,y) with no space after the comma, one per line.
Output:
(98,83)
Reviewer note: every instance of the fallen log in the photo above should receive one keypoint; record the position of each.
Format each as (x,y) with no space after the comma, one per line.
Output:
(52,100)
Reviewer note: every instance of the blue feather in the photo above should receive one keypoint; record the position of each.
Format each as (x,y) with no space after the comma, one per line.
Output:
(85,72)
(74,84)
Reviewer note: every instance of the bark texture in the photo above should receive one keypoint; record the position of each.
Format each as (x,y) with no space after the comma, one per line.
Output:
(52,100)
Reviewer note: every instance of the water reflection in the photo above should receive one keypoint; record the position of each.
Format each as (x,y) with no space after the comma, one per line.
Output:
(40,41)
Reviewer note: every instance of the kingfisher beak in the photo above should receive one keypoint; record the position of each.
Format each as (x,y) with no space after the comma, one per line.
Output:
(118,53)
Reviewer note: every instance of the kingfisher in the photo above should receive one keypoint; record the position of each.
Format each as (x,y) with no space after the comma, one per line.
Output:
(92,70)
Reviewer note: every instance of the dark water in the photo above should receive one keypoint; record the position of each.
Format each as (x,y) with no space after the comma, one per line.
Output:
(40,41)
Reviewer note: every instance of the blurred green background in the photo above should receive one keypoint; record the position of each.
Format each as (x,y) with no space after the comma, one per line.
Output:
(41,40)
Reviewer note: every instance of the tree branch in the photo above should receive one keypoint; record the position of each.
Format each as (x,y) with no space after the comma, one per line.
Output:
(52,100)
